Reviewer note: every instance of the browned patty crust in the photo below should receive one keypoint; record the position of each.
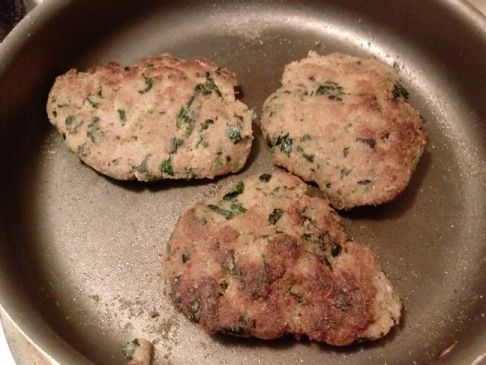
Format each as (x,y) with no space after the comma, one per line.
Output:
(344,122)
(265,259)
(162,118)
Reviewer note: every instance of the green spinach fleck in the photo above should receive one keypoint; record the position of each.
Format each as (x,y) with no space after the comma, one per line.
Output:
(183,117)
(284,142)
(202,141)
(123,116)
(225,213)
(236,208)
(183,114)
(166,167)
(189,127)
(94,129)
(175,143)
(73,123)
(332,90)
(233,132)
(149,83)
(84,150)
(143,168)
(235,191)
(275,215)
(208,87)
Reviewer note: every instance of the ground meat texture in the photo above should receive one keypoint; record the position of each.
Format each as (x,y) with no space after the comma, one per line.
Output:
(344,123)
(265,259)
(162,118)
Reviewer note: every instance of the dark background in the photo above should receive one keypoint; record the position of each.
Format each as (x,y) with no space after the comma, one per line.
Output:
(11,12)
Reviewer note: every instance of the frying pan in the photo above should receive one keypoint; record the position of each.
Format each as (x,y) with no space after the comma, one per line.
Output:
(79,253)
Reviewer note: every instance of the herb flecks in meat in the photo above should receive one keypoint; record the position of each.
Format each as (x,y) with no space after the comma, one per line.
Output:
(122,115)
(149,83)
(166,167)
(275,215)
(235,191)
(234,133)
(332,90)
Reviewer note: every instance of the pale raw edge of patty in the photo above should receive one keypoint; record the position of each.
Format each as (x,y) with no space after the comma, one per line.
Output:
(265,259)
(388,304)
(162,118)
(344,122)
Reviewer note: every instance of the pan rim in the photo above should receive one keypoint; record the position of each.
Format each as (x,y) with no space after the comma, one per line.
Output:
(41,15)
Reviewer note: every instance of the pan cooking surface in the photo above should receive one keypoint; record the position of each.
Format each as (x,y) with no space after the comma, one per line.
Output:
(81,252)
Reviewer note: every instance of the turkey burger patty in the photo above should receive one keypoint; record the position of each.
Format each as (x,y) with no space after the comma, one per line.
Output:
(265,259)
(344,123)
(162,118)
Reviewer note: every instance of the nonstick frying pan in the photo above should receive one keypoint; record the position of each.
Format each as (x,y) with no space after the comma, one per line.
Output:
(80,272)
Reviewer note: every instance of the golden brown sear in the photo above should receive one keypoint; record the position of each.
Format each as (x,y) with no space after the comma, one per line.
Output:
(344,122)
(265,259)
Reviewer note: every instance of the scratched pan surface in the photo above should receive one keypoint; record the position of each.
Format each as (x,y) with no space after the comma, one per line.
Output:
(79,253)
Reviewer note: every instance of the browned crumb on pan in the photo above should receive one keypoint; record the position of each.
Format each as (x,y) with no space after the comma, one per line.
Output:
(138,352)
